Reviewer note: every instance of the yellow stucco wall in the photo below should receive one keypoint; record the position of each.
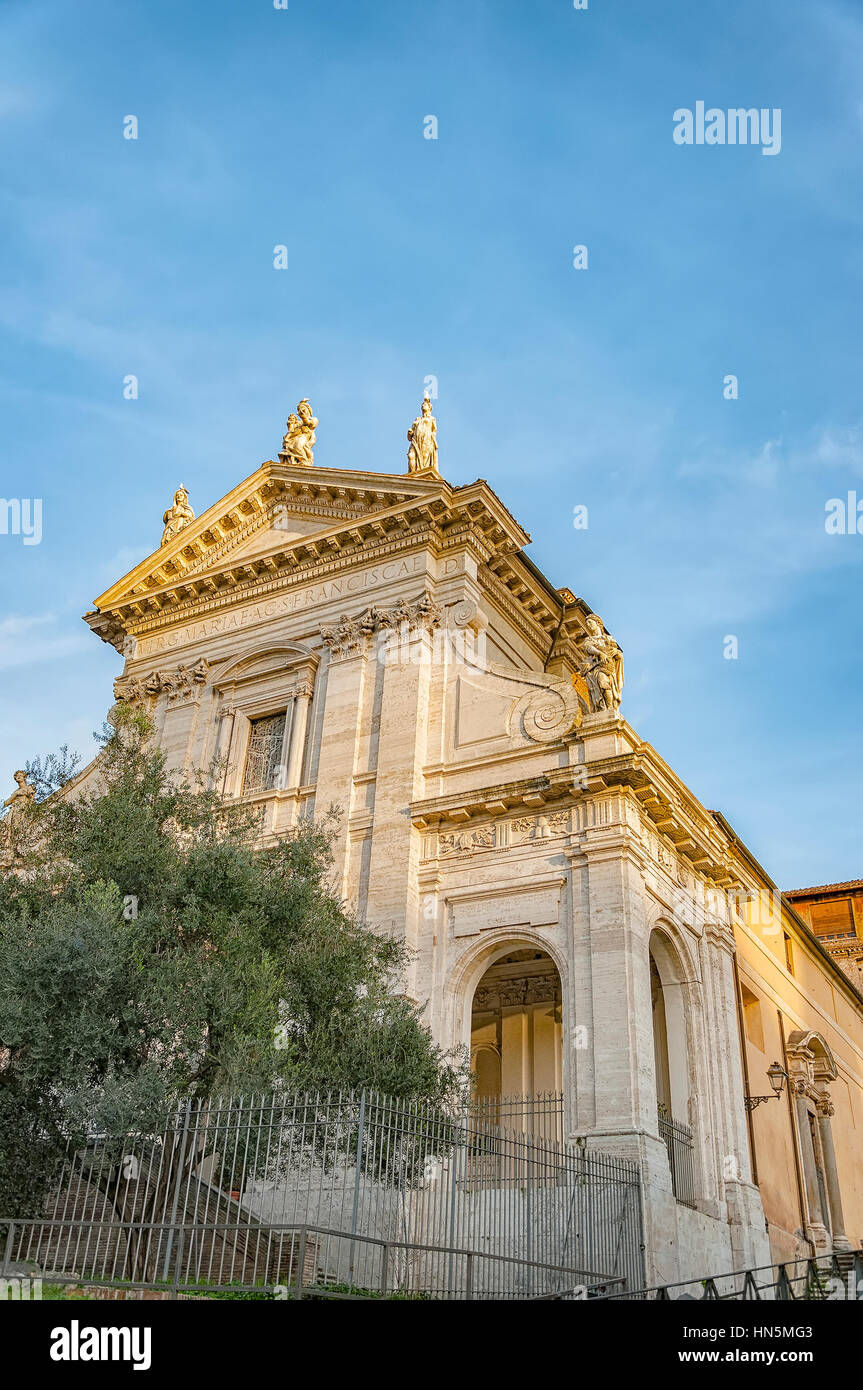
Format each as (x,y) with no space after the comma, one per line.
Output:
(809,996)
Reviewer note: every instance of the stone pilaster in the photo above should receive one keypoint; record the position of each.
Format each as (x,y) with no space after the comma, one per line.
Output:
(831,1174)
(401,756)
(346,675)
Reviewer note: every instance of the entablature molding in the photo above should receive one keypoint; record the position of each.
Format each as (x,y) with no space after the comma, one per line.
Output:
(497,800)
(584,784)
(193,571)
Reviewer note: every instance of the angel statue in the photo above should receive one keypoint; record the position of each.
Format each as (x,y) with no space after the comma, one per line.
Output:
(177,516)
(422,437)
(604,668)
(299,442)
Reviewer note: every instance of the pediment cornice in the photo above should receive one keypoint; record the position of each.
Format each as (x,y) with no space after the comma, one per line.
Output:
(330,494)
(371,515)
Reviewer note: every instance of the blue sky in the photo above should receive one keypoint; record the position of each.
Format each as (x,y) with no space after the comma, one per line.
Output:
(453,257)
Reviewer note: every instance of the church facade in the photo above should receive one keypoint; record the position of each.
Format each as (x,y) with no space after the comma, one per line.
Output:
(382,643)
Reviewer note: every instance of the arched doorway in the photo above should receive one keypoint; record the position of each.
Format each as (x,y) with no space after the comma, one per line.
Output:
(516,1041)
(672,1064)
(670,1031)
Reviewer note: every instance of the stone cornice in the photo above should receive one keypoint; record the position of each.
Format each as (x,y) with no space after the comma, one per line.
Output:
(371,516)
(533,793)
(255,587)
(632,774)
(230,518)
(538,633)
(362,497)
(191,579)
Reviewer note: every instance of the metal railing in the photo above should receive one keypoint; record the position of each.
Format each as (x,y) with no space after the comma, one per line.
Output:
(830,1277)
(679,1143)
(422,1180)
(288,1263)
(538,1116)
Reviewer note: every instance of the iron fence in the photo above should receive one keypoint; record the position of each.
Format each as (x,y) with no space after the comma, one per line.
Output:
(830,1277)
(536,1215)
(538,1116)
(678,1142)
(287,1264)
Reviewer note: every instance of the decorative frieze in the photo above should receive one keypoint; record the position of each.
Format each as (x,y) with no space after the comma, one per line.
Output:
(350,636)
(465,841)
(527,829)
(523,830)
(517,992)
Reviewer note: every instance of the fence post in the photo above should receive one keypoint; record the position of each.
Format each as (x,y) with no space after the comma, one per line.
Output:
(166,1267)
(386,1260)
(783,1285)
(301,1263)
(361,1125)
(457,1149)
(468,1292)
(180,1248)
(529,1224)
(7,1255)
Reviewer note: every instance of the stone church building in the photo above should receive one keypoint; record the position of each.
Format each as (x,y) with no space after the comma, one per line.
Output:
(382,643)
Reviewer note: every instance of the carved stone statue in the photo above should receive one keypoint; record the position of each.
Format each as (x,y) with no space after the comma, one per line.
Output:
(15,806)
(603,665)
(177,516)
(299,443)
(422,437)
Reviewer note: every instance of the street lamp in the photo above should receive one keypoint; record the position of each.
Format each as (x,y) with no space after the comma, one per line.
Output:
(777,1076)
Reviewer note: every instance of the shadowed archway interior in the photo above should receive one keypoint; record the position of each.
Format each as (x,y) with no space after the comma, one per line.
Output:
(516,1027)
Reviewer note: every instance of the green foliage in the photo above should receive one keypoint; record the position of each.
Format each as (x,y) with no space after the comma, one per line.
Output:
(52,772)
(149,952)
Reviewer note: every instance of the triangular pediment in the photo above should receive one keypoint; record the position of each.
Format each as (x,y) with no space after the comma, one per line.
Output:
(286,523)
(277,506)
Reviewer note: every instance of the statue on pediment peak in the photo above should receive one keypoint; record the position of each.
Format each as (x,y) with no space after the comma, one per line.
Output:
(298,445)
(422,437)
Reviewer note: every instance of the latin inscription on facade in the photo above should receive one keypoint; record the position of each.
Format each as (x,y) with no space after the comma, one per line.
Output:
(282,604)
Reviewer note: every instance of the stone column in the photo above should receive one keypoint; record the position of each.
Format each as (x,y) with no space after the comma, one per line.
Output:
(282,773)
(237,732)
(223,737)
(299,724)
(831,1174)
(622,1042)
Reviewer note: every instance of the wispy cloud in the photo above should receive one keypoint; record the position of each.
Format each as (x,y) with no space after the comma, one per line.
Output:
(29,639)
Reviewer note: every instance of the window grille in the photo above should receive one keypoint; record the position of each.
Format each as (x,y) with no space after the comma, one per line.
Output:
(265,753)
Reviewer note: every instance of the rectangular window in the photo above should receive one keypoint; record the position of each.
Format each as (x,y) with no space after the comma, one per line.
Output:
(789,958)
(265,753)
(752,1022)
(833,918)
